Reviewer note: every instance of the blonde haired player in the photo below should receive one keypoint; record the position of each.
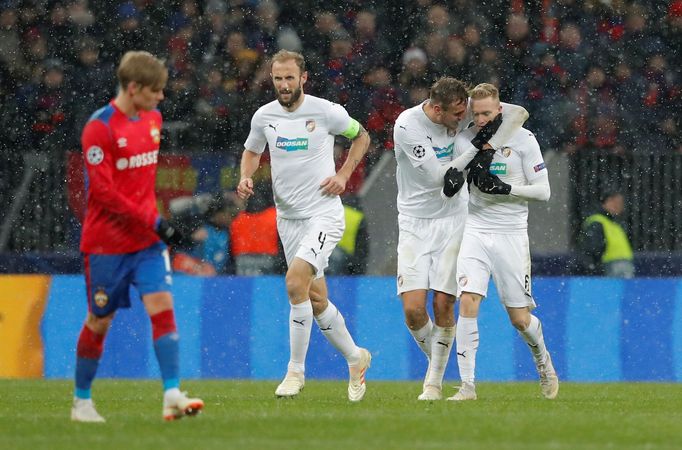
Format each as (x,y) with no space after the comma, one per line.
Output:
(495,242)
(122,232)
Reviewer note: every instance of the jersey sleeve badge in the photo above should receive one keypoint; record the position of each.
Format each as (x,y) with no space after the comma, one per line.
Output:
(94,155)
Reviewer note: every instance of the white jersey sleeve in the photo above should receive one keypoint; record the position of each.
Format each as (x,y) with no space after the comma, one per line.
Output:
(423,150)
(338,119)
(413,144)
(256,140)
(533,163)
(534,170)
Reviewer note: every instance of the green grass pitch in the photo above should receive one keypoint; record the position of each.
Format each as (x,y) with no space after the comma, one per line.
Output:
(245,415)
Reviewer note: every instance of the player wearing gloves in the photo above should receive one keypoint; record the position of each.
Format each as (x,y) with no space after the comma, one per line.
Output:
(122,233)
(432,207)
(495,241)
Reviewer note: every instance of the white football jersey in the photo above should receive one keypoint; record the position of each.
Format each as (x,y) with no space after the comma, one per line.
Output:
(518,162)
(301,147)
(417,140)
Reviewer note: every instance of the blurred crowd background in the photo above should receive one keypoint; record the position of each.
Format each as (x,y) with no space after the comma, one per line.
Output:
(597,76)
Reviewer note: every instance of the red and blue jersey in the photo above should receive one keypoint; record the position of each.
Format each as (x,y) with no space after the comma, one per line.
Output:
(121,156)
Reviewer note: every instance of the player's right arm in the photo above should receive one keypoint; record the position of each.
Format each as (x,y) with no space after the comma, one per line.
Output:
(249,165)
(253,149)
(98,151)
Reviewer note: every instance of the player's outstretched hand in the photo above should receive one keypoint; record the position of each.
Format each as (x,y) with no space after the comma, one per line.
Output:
(245,188)
(452,182)
(168,233)
(335,185)
(491,184)
(486,132)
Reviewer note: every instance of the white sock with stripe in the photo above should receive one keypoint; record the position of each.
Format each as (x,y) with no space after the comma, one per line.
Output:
(467,345)
(300,324)
(333,327)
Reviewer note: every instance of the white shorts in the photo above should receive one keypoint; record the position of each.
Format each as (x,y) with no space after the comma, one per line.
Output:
(312,240)
(506,257)
(427,253)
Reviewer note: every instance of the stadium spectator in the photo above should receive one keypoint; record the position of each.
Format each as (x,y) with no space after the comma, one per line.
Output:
(470,40)
(415,71)
(256,249)
(123,232)
(309,212)
(206,219)
(604,245)
(51,111)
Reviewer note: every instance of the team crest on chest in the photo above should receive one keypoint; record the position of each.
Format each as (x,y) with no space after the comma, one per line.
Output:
(101,298)
(155,133)
(506,152)
(310,125)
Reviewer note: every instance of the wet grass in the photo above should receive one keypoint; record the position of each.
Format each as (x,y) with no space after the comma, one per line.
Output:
(34,414)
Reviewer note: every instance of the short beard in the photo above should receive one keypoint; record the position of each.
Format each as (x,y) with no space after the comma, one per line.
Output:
(295,95)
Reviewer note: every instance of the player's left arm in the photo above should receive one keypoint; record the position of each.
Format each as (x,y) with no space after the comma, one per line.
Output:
(536,173)
(335,185)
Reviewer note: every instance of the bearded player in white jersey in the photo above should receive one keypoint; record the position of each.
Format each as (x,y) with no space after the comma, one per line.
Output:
(495,242)
(431,225)
(299,130)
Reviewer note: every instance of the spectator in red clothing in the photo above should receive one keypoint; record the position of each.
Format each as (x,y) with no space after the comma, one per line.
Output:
(255,245)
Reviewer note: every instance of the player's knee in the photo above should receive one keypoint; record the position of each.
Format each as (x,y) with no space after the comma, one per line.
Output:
(99,325)
(443,306)
(520,323)
(468,305)
(296,286)
(415,316)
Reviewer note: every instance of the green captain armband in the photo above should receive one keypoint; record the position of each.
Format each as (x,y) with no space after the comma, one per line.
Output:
(352,130)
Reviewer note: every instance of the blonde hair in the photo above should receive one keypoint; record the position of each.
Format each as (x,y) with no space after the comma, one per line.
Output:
(485,90)
(142,68)
(286,55)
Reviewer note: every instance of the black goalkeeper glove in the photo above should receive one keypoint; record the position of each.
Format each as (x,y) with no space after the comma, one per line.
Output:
(489,183)
(168,233)
(486,132)
(453,180)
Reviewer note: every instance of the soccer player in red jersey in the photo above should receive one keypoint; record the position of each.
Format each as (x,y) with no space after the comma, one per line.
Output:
(124,238)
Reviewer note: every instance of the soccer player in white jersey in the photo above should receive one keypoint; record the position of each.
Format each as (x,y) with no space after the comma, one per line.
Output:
(495,243)
(431,225)
(299,130)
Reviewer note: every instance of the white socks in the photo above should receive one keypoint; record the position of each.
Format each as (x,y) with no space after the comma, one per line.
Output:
(467,344)
(333,327)
(422,337)
(300,324)
(536,342)
(441,344)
